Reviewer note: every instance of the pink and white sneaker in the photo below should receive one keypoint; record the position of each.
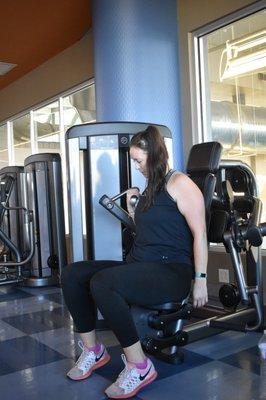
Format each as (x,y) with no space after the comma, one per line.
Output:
(87,362)
(131,380)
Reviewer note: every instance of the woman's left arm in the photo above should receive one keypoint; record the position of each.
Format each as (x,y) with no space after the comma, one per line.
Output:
(190,203)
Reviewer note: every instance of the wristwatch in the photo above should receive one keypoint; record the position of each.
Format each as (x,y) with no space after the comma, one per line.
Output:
(200,275)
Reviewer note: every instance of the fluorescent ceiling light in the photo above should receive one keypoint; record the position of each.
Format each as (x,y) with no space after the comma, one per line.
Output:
(6,67)
(241,59)
(244,65)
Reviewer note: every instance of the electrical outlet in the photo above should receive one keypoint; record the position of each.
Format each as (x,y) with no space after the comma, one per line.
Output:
(223,275)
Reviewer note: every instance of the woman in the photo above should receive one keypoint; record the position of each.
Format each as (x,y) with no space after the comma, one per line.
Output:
(170,244)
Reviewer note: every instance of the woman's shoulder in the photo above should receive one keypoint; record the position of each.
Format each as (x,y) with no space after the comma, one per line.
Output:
(180,182)
(179,178)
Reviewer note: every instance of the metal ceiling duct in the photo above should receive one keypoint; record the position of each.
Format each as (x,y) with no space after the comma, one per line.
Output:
(225,124)
(84,104)
(246,128)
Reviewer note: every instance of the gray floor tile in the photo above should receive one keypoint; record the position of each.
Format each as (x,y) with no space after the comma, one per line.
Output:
(55,297)
(24,306)
(246,359)
(224,344)
(49,382)
(64,340)
(8,332)
(212,381)
(25,352)
(12,292)
(230,378)
(44,320)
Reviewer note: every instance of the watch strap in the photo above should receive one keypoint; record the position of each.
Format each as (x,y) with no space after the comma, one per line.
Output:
(200,275)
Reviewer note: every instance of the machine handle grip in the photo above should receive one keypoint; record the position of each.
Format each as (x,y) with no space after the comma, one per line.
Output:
(254,234)
(123,193)
(110,205)
(262,228)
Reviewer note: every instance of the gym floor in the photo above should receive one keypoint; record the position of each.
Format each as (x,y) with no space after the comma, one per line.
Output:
(38,346)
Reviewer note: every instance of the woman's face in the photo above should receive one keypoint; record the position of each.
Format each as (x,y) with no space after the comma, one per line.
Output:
(139,157)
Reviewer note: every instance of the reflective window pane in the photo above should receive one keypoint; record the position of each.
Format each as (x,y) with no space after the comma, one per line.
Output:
(79,107)
(21,139)
(3,146)
(234,83)
(46,126)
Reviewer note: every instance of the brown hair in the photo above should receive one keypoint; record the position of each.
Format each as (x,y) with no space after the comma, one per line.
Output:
(152,142)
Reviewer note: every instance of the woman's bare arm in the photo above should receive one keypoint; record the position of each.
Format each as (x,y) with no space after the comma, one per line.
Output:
(190,203)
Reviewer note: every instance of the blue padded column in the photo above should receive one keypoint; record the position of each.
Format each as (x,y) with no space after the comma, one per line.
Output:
(136,64)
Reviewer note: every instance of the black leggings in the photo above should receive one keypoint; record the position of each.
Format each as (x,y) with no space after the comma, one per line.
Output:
(113,285)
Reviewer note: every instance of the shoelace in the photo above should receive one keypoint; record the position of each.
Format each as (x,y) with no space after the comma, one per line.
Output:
(125,373)
(86,358)
(127,379)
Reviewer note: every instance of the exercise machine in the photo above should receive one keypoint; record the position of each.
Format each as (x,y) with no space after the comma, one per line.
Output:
(17,233)
(98,162)
(233,213)
(12,188)
(44,194)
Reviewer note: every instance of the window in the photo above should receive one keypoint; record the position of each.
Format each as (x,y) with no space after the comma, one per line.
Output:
(79,107)
(47,128)
(233,92)
(21,139)
(3,146)
(42,130)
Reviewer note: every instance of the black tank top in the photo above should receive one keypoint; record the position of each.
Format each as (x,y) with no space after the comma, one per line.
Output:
(162,233)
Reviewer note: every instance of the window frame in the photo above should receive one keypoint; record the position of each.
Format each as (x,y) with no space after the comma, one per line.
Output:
(33,136)
(197,92)
(33,133)
(199,113)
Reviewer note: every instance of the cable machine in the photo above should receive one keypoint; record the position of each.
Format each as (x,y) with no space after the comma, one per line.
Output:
(45,198)
(98,163)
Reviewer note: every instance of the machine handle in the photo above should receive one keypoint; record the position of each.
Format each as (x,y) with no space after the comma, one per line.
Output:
(122,193)
(110,205)
(14,208)
(262,228)
(254,233)
(134,200)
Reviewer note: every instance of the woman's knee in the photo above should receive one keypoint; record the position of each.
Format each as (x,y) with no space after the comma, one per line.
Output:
(99,281)
(80,271)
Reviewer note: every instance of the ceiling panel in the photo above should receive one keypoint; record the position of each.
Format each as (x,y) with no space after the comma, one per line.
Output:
(33,31)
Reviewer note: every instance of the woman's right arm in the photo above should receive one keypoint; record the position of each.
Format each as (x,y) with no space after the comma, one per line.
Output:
(190,203)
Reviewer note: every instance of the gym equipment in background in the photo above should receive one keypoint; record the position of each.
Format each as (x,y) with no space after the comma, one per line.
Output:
(17,234)
(44,195)
(12,188)
(99,162)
